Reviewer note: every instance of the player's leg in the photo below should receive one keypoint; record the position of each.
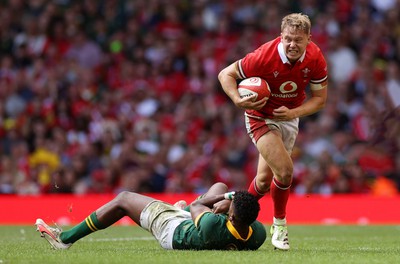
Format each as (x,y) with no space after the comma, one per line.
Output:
(261,183)
(258,128)
(272,149)
(274,153)
(125,204)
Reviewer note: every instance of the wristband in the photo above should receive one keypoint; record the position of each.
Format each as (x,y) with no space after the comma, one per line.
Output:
(229,195)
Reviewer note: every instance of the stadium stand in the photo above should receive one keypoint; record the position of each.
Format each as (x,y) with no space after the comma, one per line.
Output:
(105,96)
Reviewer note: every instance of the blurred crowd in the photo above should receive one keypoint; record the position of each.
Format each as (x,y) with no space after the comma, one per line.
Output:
(101,96)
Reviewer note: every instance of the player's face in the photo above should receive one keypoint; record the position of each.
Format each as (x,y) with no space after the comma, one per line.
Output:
(294,43)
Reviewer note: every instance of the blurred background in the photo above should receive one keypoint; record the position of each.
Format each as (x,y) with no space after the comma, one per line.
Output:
(106,96)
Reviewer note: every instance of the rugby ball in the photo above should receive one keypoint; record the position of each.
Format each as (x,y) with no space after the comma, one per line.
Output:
(254,85)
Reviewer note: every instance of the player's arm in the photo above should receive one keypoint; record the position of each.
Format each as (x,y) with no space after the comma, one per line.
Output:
(205,204)
(315,103)
(227,78)
(219,207)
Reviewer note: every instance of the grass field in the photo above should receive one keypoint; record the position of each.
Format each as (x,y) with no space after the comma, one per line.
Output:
(130,244)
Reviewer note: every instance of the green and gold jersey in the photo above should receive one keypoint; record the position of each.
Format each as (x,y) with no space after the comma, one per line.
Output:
(214,231)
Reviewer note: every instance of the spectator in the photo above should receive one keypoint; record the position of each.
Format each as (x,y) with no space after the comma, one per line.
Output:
(85,52)
(131,89)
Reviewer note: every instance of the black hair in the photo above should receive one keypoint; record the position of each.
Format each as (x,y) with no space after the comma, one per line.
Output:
(246,207)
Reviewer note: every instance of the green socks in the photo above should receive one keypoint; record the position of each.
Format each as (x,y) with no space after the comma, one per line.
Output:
(86,227)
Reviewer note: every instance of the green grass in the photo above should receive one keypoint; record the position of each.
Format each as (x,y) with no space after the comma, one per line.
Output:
(130,244)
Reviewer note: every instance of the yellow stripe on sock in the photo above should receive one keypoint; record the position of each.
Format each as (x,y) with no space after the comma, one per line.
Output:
(90,224)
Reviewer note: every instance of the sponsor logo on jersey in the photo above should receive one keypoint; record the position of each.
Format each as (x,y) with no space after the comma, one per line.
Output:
(286,89)
(284,95)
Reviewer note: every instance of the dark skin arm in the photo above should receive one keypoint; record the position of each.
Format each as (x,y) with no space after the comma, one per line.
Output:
(205,204)
(221,206)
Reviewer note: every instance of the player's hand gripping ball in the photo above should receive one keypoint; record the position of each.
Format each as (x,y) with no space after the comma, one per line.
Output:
(254,85)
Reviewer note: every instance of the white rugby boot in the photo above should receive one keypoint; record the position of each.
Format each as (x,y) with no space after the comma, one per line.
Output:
(52,235)
(279,237)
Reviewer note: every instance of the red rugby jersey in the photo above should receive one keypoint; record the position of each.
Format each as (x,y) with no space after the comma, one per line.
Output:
(287,82)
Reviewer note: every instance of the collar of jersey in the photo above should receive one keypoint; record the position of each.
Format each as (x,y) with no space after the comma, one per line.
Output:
(236,234)
(283,55)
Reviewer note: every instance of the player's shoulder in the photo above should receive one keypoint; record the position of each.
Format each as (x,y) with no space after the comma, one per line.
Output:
(258,226)
(266,52)
(211,223)
(209,218)
(313,49)
(259,234)
(272,44)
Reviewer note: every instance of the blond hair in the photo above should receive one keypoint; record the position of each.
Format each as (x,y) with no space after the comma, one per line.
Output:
(296,21)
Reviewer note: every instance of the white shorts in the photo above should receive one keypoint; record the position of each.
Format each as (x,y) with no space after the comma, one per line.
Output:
(161,220)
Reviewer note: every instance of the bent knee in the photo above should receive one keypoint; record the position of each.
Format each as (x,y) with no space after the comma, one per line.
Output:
(123,197)
(284,175)
(263,186)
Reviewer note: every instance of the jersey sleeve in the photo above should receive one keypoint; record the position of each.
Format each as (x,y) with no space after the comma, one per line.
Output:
(321,73)
(252,64)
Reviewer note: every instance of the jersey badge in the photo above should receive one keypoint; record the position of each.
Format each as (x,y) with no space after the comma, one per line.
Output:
(306,71)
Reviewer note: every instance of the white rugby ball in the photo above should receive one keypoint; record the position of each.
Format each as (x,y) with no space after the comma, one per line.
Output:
(254,86)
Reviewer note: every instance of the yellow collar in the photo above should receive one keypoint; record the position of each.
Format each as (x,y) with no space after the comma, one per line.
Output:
(236,234)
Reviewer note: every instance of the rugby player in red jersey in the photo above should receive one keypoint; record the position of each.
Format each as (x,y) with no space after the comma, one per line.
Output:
(289,64)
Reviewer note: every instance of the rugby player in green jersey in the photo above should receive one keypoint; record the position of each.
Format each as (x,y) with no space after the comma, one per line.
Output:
(174,228)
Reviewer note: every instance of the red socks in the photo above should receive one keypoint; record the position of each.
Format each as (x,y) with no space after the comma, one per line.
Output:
(280,196)
(254,190)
